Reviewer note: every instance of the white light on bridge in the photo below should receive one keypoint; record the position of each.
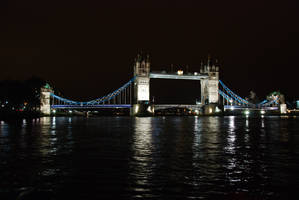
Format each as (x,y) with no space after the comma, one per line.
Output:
(136,108)
(180,72)
(247,112)
(54,111)
(70,111)
(263,112)
(150,109)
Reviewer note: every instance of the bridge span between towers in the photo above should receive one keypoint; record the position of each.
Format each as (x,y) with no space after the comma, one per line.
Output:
(135,94)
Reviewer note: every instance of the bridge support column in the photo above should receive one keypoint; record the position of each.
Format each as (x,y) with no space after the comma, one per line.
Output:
(210,109)
(142,110)
(210,88)
(283,108)
(45,106)
(141,102)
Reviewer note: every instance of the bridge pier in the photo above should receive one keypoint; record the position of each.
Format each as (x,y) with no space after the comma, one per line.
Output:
(283,108)
(211,109)
(142,110)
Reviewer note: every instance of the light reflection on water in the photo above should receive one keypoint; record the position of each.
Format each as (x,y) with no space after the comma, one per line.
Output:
(142,153)
(151,157)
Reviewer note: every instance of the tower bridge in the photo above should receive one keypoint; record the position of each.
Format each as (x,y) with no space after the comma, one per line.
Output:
(208,77)
(135,94)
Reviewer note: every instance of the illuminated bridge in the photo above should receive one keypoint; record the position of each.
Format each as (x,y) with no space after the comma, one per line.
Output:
(134,94)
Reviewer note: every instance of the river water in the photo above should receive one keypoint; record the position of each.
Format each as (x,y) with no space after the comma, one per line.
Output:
(150,158)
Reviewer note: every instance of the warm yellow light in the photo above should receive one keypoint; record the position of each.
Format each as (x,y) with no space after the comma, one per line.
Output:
(136,108)
(180,72)
(150,109)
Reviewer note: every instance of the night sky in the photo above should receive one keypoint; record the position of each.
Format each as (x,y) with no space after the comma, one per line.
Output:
(87,48)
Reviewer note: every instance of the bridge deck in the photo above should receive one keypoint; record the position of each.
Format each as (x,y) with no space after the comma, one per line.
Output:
(166,106)
(156,107)
(228,107)
(161,75)
(91,106)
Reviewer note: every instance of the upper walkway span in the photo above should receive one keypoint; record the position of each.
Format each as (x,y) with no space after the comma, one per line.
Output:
(176,76)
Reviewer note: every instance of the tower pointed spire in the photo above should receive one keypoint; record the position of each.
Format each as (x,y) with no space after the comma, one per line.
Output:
(209,60)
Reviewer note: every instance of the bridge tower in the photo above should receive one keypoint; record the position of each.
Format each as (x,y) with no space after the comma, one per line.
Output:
(141,100)
(45,106)
(209,87)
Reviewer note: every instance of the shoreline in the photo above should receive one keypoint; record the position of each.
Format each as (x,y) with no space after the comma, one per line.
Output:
(17,117)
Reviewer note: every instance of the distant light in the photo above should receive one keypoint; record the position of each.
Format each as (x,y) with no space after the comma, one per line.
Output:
(263,112)
(195,73)
(247,112)
(231,100)
(70,111)
(180,72)
(136,108)
(232,108)
(150,109)
(196,112)
(210,110)
(54,111)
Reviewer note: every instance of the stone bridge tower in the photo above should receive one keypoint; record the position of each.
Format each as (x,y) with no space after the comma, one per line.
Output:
(141,100)
(45,106)
(210,87)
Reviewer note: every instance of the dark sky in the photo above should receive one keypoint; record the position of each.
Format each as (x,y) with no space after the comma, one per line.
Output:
(86,48)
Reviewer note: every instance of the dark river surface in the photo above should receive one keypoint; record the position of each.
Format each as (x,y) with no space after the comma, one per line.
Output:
(150,158)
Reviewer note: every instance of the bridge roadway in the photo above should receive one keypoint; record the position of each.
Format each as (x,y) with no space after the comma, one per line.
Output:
(91,106)
(156,107)
(228,107)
